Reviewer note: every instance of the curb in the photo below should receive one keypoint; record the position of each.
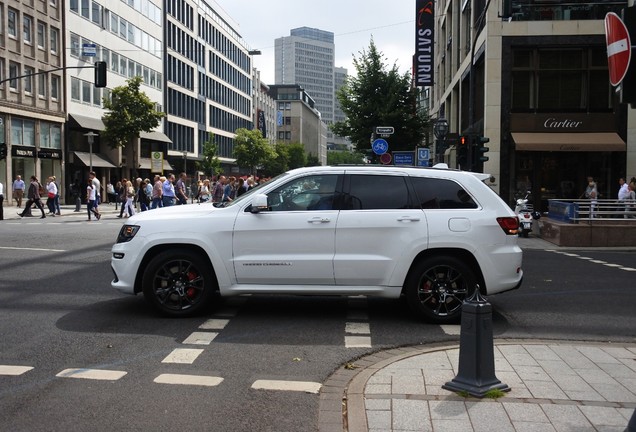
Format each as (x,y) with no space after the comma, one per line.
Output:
(342,403)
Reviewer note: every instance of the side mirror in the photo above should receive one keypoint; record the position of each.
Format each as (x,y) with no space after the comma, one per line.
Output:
(259,203)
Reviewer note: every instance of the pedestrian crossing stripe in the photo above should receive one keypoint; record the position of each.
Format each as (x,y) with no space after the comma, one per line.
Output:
(14,370)
(200,380)
(298,386)
(94,374)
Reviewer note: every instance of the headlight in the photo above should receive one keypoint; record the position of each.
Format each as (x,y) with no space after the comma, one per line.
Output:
(127,232)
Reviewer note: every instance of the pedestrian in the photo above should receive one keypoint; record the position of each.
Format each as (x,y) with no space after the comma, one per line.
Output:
(56,199)
(180,189)
(630,202)
(130,196)
(217,192)
(204,191)
(112,194)
(33,196)
(51,190)
(157,192)
(168,191)
(97,185)
(623,189)
(142,197)
(18,190)
(91,199)
(121,190)
(76,195)
(241,188)
(228,190)
(591,193)
(1,201)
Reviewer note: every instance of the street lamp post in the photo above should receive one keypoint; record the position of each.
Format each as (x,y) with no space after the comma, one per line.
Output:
(440,129)
(91,138)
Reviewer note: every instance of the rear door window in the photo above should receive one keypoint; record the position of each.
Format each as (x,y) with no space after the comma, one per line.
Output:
(435,193)
(377,192)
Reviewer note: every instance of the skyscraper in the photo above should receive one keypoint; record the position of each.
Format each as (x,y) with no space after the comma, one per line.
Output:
(306,58)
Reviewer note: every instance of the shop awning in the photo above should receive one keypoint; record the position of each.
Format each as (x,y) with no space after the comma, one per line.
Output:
(98,160)
(144,163)
(569,142)
(88,122)
(155,136)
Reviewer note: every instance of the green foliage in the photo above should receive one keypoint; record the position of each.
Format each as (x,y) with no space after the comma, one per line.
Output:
(297,155)
(344,158)
(251,150)
(312,160)
(210,164)
(280,162)
(129,112)
(378,96)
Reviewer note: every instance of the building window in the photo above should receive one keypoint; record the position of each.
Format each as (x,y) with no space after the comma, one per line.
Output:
(1,72)
(14,71)
(27,27)
(86,92)
(22,132)
(96,15)
(74,6)
(86,11)
(54,40)
(42,82)
(55,87)
(75,89)
(75,45)
(41,35)
(28,80)
(11,23)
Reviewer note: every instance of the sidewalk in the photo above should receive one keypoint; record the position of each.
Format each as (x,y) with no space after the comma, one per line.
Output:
(555,386)
(11,212)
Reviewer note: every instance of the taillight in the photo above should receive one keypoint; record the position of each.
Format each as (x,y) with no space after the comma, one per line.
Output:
(509,224)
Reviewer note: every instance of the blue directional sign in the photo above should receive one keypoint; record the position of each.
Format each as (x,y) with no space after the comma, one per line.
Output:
(423,155)
(404,158)
(89,50)
(380,146)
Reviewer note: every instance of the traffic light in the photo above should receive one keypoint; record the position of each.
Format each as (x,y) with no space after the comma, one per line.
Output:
(462,151)
(3,151)
(100,74)
(481,148)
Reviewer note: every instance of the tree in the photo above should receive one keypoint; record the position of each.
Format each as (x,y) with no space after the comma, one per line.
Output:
(251,149)
(279,163)
(312,160)
(210,162)
(297,155)
(129,112)
(378,96)
(344,157)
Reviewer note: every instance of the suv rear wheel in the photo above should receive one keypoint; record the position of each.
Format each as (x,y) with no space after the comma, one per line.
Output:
(437,286)
(178,283)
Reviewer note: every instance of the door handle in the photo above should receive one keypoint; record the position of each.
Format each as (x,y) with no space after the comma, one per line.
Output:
(318,220)
(408,219)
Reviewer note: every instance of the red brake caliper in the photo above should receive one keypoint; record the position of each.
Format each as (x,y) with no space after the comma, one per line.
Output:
(191,292)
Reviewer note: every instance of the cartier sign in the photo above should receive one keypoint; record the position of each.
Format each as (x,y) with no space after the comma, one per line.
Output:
(560,122)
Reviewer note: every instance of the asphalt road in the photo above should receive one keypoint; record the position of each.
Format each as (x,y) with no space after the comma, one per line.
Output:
(58,312)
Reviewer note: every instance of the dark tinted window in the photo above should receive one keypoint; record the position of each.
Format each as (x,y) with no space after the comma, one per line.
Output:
(314,192)
(369,192)
(435,193)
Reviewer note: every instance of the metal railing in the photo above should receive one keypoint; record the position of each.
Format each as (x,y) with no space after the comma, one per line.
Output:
(586,210)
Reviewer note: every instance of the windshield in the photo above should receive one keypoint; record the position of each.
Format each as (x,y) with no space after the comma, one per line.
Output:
(250,192)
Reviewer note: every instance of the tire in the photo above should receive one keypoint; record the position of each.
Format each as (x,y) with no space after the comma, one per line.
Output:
(178,283)
(436,287)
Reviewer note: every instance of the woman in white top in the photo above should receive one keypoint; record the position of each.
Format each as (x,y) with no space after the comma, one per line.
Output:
(204,192)
(130,196)
(91,197)
(51,189)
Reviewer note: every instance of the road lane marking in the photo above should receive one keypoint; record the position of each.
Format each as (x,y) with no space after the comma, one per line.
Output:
(201,380)
(357,328)
(628,269)
(214,324)
(32,249)
(94,374)
(14,370)
(200,338)
(613,265)
(299,386)
(357,342)
(598,262)
(182,355)
(451,329)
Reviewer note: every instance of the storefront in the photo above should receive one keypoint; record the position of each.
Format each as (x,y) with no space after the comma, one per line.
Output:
(555,153)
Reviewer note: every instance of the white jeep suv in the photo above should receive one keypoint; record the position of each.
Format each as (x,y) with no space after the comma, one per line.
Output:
(429,234)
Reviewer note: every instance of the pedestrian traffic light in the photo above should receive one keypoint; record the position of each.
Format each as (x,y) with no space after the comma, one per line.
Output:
(462,151)
(100,74)
(3,151)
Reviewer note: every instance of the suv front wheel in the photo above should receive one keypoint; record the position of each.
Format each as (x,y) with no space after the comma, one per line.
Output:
(178,283)
(437,286)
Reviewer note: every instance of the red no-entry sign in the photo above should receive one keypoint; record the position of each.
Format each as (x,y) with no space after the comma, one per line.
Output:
(619,48)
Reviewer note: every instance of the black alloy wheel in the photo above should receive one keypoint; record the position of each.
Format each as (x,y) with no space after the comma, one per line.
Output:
(178,283)
(436,287)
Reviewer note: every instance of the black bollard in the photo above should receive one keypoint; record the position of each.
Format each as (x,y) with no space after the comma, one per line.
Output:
(476,372)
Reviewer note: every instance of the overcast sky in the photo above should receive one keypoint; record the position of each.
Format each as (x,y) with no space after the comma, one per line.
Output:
(391,24)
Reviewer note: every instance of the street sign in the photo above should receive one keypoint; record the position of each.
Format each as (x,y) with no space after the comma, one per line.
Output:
(380,146)
(619,49)
(384,130)
(89,50)
(404,158)
(385,158)
(423,155)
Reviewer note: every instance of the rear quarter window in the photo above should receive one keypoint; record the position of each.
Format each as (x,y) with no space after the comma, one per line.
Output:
(435,193)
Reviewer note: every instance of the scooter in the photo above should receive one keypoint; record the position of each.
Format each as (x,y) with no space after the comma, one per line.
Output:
(526,214)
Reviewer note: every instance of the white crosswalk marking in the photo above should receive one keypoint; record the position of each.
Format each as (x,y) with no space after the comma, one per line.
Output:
(200,338)
(14,370)
(357,328)
(357,341)
(451,329)
(299,386)
(214,324)
(94,374)
(201,380)
(183,355)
